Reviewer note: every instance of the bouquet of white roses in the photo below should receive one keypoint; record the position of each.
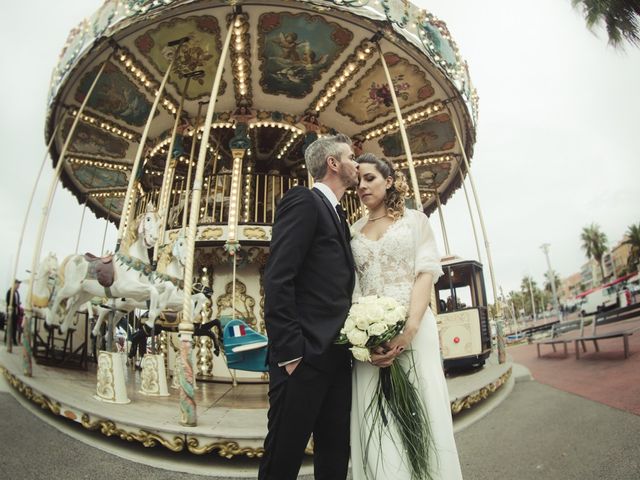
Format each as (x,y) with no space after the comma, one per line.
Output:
(371,322)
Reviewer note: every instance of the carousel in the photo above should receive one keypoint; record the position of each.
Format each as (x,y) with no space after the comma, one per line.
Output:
(183,123)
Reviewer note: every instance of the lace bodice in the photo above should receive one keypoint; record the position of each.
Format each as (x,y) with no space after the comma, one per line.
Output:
(388,266)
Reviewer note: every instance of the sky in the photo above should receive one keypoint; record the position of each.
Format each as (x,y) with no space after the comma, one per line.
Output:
(556,143)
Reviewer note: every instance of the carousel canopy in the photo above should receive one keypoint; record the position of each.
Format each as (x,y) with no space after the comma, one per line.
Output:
(296,69)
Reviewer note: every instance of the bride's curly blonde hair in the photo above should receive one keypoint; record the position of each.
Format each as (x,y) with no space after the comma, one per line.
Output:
(396,194)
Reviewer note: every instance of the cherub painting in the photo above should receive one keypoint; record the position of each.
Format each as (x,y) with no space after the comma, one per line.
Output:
(296,50)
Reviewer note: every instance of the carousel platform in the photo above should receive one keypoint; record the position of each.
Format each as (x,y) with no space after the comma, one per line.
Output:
(231,420)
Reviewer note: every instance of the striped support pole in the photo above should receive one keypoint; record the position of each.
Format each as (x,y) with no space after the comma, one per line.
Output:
(188,415)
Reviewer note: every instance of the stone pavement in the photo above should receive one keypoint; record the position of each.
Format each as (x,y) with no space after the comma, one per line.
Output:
(538,432)
(605,376)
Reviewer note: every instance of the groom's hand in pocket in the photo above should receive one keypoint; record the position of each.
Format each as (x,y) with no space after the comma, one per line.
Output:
(290,367)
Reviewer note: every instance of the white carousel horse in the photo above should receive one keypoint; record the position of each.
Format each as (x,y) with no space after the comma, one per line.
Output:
(43,285)
(168,282)
(77,282)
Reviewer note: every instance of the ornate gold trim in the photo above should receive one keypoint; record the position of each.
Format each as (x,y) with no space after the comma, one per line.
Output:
(148,439)
(41,400)
(210,233)
(227,449)
(482,394)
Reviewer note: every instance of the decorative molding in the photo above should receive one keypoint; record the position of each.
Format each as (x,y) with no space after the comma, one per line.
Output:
(148,439)
(226,449)
(27,392)
(470,400)
(210,233)
(255,233)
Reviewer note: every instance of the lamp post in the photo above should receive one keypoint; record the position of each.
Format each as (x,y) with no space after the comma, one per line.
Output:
(545,249)
(533,303)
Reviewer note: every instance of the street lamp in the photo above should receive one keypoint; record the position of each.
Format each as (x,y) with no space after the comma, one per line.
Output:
(552,280)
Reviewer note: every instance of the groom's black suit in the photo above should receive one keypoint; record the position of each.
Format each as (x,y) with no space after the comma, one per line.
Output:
(308,285)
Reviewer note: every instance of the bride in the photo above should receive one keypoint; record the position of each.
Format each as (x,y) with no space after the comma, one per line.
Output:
(396,256)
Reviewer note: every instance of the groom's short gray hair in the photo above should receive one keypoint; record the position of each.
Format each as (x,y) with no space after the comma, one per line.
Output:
(316,154)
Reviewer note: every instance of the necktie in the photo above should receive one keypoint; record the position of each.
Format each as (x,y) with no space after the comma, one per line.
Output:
(343,220)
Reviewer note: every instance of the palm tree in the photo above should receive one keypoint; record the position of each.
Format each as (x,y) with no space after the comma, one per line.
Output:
(594,243)
(620,17)
(529,289)
(633,240)
(556,278)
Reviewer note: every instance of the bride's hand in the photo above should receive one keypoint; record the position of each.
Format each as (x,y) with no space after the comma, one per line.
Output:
(381,357)
(400,343)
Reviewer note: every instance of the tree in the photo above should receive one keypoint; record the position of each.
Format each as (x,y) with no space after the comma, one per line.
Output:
(594,243)
(633,240)
(556,278)
(528,288)
(620,18)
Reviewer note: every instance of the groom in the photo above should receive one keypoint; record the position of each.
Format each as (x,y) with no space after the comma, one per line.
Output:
(308,284)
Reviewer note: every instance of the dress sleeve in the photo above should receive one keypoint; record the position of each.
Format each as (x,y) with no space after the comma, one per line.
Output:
(427,254)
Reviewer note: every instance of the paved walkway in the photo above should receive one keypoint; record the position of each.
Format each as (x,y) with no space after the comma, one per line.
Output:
(538,432)
(605,376)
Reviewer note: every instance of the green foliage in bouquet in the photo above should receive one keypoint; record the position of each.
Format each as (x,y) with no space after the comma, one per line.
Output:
(397,398)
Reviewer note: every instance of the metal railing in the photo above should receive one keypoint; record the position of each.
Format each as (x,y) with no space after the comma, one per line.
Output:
(259,198)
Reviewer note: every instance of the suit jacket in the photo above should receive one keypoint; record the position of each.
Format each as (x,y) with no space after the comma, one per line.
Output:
(308,281)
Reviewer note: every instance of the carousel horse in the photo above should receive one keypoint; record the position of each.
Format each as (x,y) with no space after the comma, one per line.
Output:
(82,277)
(43,285)
(167,280)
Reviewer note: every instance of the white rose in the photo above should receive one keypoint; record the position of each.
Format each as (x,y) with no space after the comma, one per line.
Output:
(357,337)
(362,323)
(377,328)
(361,354)
(357,310)
(369,299)
(394,316)
(388,303)
(349,325)
(375,313)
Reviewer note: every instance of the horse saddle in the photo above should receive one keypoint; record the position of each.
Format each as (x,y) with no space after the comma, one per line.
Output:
(100,269)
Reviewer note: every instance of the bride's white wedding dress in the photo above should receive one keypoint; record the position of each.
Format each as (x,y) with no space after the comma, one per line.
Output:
(388,267)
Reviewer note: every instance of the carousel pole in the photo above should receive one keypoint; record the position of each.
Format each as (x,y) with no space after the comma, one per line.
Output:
(129,198)
(84,210)
(26,333)
(403,132)
(482,225)
(191,155)
(473,223)
(186,377)
(104,235)
(447,250)
(170,167)
(54,182)
(167,179)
